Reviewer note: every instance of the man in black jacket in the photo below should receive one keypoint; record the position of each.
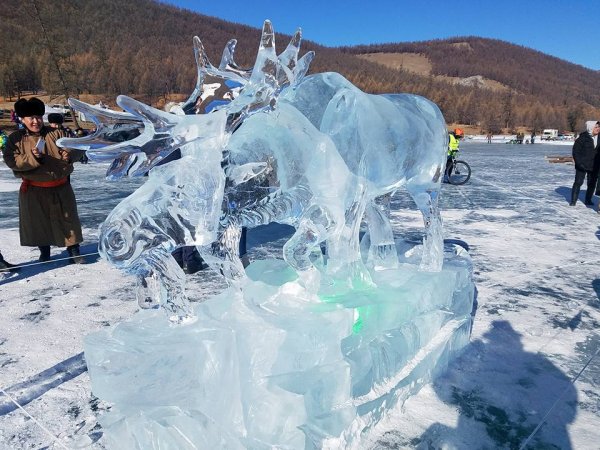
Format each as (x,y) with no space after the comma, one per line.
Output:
(587,161)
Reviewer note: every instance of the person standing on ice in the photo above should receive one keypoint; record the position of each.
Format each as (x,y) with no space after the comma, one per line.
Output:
(47,206)
(587,161)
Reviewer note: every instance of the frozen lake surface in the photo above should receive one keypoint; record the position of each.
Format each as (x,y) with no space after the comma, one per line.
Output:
(530,375)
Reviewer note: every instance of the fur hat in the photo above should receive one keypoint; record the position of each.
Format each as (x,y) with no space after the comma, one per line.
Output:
(32,107)
(56,118)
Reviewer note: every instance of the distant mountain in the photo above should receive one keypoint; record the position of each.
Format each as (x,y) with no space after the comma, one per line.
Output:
(144,48)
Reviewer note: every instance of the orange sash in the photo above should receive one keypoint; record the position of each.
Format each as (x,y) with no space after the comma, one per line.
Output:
(45,184)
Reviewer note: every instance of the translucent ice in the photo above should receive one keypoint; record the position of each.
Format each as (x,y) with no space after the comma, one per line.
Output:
(314,152)
(275,366)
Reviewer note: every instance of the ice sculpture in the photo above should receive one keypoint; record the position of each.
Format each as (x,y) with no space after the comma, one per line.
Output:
(314,152)
(309,352)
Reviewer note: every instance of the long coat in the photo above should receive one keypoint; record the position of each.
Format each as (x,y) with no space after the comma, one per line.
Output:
(586,156)
(47,215)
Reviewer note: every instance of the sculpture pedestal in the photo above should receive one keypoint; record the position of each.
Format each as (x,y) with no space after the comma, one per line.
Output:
(273,365)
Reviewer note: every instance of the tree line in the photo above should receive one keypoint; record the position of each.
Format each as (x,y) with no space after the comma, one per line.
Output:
(144,48)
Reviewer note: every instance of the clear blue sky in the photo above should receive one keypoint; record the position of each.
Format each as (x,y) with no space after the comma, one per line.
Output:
(568,29)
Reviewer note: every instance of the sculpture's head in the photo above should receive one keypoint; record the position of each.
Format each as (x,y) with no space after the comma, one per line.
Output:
(142,136)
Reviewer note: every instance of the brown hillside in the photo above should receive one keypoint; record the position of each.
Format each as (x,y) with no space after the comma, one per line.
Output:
(546,90)
(412,62)
(420,64)
(143,48)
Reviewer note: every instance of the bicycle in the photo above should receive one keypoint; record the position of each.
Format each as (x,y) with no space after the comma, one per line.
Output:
(460,173)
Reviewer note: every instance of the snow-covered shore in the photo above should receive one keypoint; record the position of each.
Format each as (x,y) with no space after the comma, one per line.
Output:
(510,138)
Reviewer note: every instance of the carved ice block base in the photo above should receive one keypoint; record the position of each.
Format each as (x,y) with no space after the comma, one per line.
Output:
(271,365)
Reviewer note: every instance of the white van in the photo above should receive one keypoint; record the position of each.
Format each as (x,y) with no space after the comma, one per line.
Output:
(63,109)
(549,134)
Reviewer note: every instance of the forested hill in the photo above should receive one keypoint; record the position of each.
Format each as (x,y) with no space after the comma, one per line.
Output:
(144,48)
(525,70)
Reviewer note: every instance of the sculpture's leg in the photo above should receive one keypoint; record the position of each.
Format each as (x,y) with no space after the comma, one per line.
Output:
(312,229)
(344,265)
(433,241)
(223,254)
(160,281)
(382,249)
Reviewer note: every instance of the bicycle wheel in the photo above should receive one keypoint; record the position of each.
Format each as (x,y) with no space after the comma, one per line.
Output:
(461,172)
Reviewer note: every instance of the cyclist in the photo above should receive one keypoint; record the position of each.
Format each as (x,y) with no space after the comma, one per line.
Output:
(453,145)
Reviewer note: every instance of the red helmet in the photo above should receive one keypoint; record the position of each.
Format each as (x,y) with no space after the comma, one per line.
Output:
(458,132)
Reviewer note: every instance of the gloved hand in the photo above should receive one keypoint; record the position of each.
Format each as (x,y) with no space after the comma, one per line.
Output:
(84,159)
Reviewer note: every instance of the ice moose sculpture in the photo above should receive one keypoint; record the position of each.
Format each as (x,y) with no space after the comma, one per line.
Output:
(301,353)
(327,149)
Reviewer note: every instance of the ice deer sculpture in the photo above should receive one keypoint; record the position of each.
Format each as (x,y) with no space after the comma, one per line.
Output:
(312,151)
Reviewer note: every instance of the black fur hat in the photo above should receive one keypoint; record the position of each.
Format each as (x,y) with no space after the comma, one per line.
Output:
(56,118)
(27,108)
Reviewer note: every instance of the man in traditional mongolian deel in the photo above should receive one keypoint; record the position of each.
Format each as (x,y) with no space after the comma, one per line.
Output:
(47,206)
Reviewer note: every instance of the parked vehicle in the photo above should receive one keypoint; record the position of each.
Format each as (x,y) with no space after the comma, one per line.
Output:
(57,108)
(566,137)
(63,109)
(549,134)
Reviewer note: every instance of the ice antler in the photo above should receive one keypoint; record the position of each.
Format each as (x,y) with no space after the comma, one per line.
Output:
(228,74)
(269,76)
(260,86)
(138,139)
(115,131)
(291,69)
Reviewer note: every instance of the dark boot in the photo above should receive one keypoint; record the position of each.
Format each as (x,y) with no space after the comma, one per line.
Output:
(245,260)
(44,253)
(574,195)
(588,197)
(6,266)
(75,256)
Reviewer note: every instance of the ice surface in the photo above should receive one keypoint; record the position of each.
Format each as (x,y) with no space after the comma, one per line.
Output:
(526,243)
(307,352)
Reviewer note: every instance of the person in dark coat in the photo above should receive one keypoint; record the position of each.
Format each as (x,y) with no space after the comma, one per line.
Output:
(587,161)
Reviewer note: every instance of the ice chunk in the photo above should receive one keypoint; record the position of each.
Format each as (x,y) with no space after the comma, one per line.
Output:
(273,365)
